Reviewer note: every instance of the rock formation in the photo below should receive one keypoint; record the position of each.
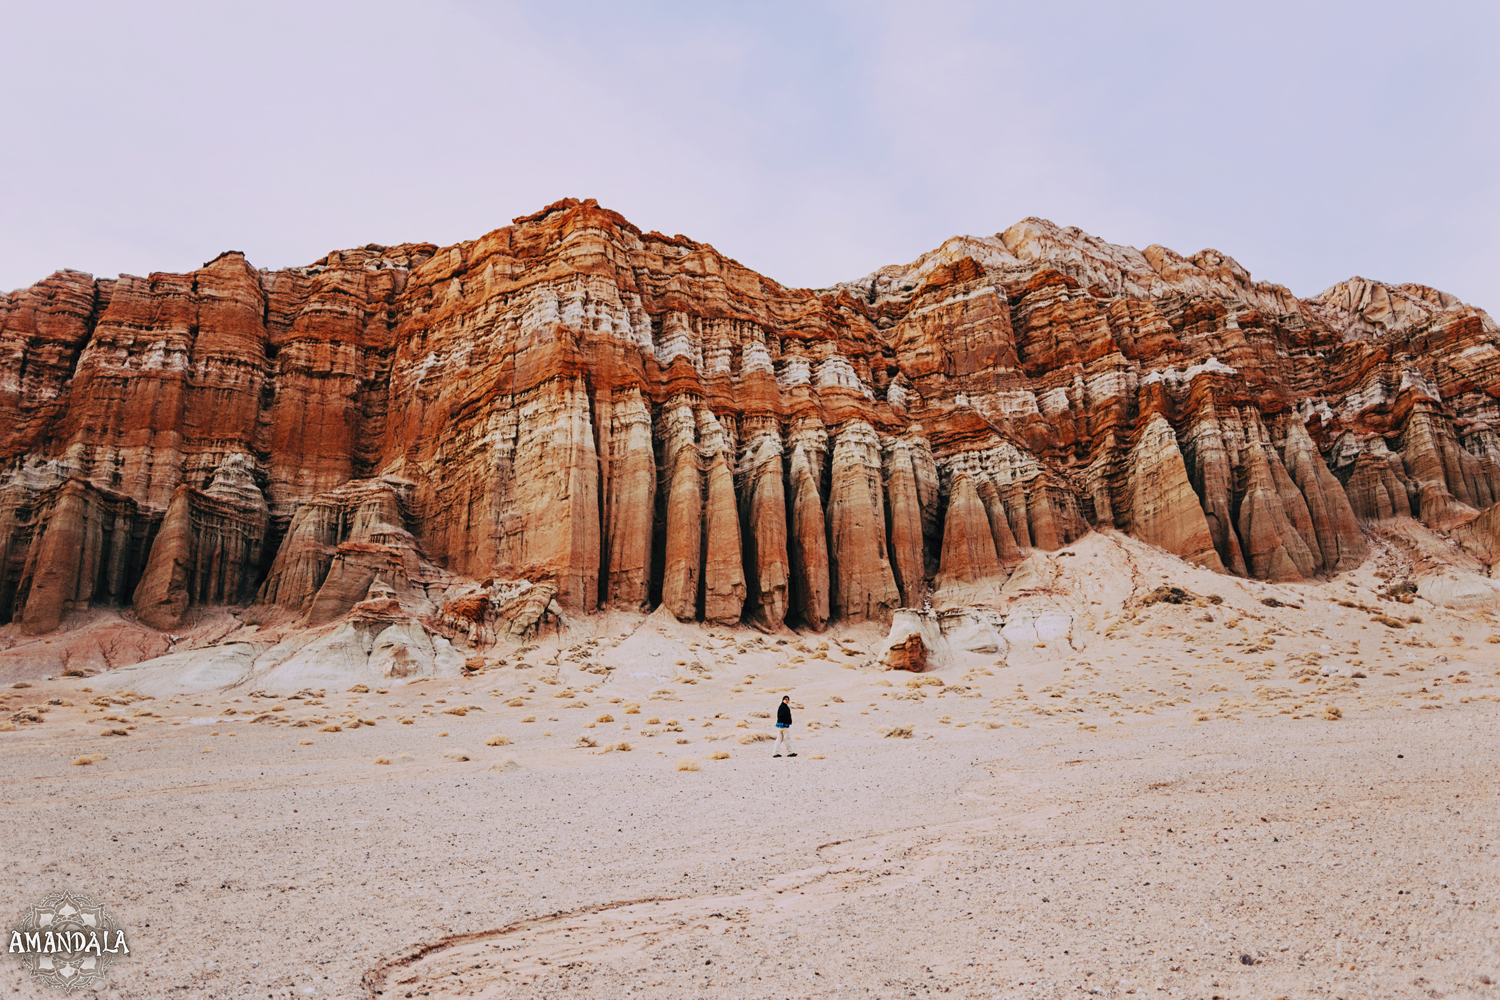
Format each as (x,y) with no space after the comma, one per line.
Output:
(618,418)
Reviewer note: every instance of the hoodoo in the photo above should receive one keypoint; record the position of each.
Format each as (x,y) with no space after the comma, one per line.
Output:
(633,420)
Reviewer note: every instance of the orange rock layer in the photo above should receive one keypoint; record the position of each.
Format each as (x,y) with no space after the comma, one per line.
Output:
(637,420)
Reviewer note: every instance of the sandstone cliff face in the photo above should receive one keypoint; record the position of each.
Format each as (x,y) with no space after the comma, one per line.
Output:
(633,420)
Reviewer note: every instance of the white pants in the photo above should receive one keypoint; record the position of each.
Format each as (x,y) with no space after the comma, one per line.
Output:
(784,740)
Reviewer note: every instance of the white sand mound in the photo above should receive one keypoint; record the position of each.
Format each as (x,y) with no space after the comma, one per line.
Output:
(337,657)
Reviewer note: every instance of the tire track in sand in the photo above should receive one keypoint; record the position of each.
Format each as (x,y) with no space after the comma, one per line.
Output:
(489,964)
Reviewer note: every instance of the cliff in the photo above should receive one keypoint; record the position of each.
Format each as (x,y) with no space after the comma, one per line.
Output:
(634,421)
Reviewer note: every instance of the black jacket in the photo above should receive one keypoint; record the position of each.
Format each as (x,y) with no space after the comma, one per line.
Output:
(784,714)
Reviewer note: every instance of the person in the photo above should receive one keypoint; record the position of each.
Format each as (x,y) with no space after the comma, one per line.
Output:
(784,727)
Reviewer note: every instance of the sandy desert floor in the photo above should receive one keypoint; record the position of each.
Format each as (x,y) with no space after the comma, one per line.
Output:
(1173,810)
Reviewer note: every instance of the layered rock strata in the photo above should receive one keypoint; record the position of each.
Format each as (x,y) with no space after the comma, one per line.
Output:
(633,420)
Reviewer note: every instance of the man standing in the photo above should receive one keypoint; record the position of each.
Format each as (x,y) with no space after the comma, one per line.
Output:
(784,727)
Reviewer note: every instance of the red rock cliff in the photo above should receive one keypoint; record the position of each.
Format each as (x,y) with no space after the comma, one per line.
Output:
(635,420)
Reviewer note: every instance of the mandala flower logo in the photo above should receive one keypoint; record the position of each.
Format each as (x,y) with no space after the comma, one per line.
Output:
(67,941)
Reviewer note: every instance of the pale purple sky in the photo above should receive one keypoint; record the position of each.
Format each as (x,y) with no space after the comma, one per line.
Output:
(813,141)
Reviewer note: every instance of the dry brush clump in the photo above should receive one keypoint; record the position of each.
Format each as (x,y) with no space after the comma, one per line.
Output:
(899,732)
(606,717)
(719,755)
(749,738)
(498,740)
(687,764)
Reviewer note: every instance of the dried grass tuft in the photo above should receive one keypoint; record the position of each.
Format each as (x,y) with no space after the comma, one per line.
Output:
(631,708)
(1333,713)
(681,740)
(606,717)
(623,746)
(586,741)
(304,743)
(207,750)
(456,710)
(360,689)
(332,727)
(457,756)
(529,718)
(899,732)
(382,760)
(749,738)
(816,756)
(498,741)
(719,755)
(88,758)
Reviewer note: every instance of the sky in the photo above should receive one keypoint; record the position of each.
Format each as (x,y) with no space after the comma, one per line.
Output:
(812,141)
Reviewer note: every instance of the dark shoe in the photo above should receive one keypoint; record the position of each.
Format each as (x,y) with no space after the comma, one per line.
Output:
(778,755)
(791,755)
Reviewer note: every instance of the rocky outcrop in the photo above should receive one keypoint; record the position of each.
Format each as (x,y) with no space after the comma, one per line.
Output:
(629,481)
(904,511)
(808,545)
(969,553)
(763,496)
(209,547)
(858,562)
(1164,509)
(339,544)
(635,421)
(1340,544)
